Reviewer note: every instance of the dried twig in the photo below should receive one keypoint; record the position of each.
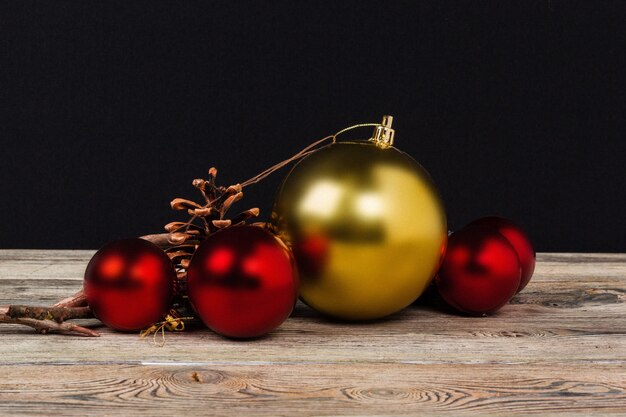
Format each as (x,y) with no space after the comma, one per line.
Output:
(77,300)
(48,319)
(58,314)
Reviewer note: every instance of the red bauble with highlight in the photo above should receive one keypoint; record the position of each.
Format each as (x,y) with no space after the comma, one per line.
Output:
(518,238)
(129,284)
(481,271)
(242,282)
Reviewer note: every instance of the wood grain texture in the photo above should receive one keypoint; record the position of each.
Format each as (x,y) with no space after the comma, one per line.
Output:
(558,349)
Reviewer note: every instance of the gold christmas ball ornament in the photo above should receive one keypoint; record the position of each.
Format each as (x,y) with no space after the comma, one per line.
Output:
(366,225)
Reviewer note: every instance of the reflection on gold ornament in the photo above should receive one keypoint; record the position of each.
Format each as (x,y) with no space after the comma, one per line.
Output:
(366,225)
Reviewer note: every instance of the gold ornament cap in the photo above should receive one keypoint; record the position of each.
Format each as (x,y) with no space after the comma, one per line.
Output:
(383,134)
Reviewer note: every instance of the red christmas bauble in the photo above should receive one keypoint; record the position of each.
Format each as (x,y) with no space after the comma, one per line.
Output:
(520,241)
(480,272)
(242,282)
(129,284)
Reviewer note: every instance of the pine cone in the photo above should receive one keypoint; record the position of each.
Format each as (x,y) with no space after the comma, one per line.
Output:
(184,237)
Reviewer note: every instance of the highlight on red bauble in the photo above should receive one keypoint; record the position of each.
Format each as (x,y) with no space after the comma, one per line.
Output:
(129,284)
(242,282)
(480,272)
(518,238)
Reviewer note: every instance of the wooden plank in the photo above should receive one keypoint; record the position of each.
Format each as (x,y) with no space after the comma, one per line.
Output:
(329,389)
(522,334)
(560,347)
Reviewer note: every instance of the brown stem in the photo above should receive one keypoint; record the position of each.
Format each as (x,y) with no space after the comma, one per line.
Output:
(13,315)
(58,314)
(77,300)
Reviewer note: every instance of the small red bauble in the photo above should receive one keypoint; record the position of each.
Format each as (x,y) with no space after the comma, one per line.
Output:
(516,237)
(242,282)
(129,284)
(481,271)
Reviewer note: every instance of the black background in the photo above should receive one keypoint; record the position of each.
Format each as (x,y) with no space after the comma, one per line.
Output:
(110,109)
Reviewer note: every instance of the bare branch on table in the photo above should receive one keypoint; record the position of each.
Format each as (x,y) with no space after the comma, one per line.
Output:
(57,314)
(77,300)
(48,319)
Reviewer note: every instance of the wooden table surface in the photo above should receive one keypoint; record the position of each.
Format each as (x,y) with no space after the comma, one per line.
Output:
(558,349)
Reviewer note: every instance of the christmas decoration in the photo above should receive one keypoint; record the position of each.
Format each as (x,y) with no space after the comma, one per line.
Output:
(179,243)
(242,282)
(480,272)
(129,284)
(520,241)
(366,225)
(363,221)
(182,238)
